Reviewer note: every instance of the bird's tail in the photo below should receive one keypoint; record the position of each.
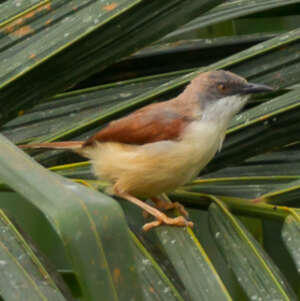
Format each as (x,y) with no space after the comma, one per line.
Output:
(71,145)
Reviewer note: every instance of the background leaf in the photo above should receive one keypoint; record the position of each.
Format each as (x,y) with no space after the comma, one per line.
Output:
(80,34)
(85,222)
(22,274)
(254,270)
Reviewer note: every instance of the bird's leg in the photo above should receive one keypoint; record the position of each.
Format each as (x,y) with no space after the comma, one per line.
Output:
(164,205)
(161,218)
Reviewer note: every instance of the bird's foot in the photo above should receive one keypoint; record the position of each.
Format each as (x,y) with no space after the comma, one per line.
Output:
(163,205)
(179,221)
(161,218)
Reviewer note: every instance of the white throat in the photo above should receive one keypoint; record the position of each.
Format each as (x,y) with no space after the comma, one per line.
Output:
(222,110)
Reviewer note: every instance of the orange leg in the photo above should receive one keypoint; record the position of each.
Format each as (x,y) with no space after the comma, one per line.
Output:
(162,204)
(161,218)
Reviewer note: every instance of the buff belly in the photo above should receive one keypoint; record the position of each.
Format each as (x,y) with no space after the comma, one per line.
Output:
(154,168)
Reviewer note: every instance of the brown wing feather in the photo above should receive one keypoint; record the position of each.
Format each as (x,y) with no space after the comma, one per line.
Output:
(152,123)
(59,145)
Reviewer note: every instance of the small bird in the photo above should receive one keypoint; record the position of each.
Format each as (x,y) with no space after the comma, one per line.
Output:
(165,145)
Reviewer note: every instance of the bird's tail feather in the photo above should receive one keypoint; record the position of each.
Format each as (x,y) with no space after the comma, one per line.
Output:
(71,145)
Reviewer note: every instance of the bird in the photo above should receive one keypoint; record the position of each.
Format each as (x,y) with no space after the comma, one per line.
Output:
(164,145)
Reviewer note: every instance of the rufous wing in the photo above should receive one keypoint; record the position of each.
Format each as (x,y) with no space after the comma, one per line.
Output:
(152,123)
(72,145)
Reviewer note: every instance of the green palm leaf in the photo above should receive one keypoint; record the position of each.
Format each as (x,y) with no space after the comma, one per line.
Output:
(22,274)
(82,34)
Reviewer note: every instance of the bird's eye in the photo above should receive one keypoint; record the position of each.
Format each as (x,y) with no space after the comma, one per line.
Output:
(221,87)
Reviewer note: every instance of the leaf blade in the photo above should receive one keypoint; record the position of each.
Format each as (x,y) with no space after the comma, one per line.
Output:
(23,275)
(254,270)
(87,30)
(72,210)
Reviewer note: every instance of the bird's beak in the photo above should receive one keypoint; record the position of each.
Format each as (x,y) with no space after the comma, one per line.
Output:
(251,88)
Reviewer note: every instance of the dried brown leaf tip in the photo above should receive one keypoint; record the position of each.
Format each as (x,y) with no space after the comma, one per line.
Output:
(117,275)
(18,27)
(110,7)
(29,15)
(24,30)
(32,56)
(13,25)
(48,21)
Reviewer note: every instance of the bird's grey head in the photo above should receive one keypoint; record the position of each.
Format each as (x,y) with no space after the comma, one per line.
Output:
(222,93)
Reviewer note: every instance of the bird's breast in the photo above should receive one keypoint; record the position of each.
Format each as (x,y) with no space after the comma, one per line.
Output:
(200,143)
(158,167)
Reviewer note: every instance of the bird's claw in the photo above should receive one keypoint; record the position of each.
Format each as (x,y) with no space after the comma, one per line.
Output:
(181,209)
(163,205)
(178,221)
